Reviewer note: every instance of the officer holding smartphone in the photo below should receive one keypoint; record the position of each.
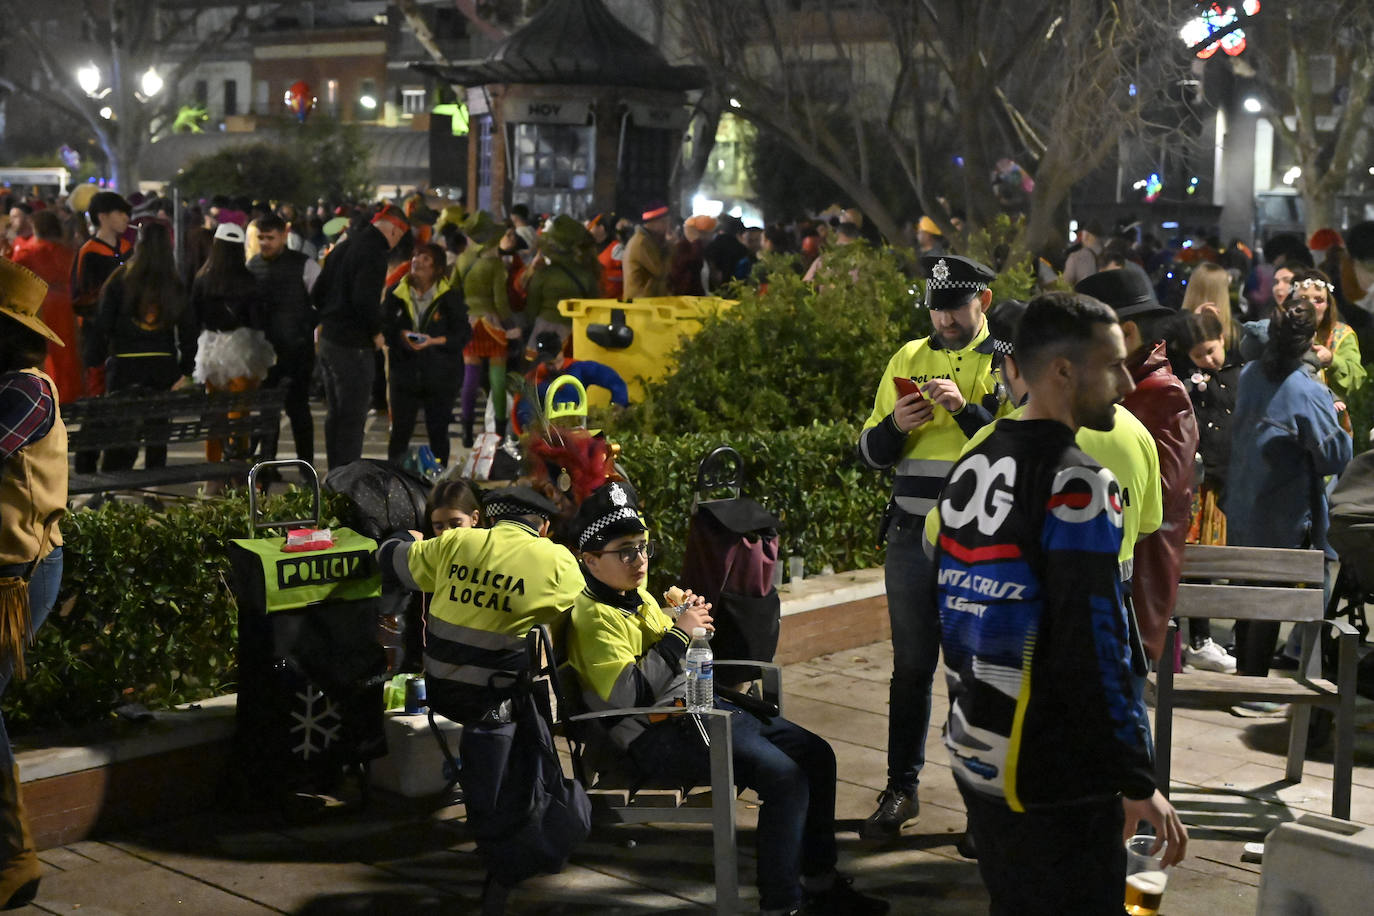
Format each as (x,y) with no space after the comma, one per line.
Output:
(934,394)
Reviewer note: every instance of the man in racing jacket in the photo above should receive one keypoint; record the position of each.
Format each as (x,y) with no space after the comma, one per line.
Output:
(1045,730)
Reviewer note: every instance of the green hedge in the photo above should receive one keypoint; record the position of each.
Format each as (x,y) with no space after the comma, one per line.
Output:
(829,504)
(150,617)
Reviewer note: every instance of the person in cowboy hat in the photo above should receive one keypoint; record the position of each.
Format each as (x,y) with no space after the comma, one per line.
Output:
(33,498)
(935,393)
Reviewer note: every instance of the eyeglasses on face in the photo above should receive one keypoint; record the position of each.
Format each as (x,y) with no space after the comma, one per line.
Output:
(628,555)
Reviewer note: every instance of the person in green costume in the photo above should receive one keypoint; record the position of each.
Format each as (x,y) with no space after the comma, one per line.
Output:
(565,268)
(483,276)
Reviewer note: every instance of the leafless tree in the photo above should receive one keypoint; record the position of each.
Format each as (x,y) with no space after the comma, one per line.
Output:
(129,37)
(874,85)
(1292,38)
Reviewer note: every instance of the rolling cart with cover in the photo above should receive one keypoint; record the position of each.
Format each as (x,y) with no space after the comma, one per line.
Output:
(310,668)
(731,553)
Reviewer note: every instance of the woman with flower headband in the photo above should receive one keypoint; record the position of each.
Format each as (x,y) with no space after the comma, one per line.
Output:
(1286,440)
(1335,346)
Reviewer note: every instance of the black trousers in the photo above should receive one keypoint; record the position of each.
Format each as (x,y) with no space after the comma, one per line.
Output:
(150,373)
(348,374)
(1066,859)
(411,390)
(294,370)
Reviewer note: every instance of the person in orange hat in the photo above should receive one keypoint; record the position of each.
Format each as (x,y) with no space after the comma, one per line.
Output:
(646,257)
(33,498)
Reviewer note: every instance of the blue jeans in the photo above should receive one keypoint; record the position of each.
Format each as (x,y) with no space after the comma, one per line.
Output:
(43,586)
(915,649)
(348,374)
(793,772)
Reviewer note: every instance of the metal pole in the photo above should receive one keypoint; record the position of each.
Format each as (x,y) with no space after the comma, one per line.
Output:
(179,230)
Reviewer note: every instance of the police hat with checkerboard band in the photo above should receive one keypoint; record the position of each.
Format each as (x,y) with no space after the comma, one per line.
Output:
(610,512)
(952,280)
(513,502)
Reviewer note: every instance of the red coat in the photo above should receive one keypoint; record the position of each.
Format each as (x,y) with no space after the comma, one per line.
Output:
(1161,403)
(53,262)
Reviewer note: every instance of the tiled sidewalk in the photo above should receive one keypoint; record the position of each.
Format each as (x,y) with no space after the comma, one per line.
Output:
(406,857)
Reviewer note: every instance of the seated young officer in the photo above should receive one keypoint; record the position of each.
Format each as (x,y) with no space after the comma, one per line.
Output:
(489,587)
(628,652)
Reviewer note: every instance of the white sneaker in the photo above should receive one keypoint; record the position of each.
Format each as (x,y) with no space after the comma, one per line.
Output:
(1209,657)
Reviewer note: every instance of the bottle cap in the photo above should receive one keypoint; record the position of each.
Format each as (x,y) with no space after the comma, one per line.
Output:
(698,632)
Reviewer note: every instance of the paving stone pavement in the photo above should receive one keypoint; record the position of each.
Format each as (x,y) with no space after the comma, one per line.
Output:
(415,856)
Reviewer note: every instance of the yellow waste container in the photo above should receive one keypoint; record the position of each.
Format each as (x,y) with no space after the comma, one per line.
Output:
(636,337)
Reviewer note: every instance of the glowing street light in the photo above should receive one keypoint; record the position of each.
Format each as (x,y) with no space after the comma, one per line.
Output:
(88,78)
(150,83)
(107,113)
(1253,105)
(368,102)
(1292,175)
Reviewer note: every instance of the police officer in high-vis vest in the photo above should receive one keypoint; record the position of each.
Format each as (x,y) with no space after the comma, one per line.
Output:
(490,586)
(933,395)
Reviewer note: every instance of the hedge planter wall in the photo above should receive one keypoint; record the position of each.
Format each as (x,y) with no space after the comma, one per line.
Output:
(145,614)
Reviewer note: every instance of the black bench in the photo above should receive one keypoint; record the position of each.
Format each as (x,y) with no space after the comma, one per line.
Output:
(137,419)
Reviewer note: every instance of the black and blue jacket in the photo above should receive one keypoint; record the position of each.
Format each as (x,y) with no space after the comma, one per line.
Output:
(1044,709)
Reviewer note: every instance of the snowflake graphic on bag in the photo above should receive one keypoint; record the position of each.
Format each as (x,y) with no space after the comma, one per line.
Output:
(318,725)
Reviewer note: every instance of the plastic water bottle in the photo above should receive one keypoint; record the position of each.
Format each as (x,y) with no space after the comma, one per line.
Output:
(701,679)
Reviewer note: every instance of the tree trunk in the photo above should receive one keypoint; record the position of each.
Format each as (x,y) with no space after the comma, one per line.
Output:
(123,153)
(1319,208)
(688,169)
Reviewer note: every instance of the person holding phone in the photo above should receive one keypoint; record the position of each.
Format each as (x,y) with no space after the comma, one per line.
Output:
(933,395)
(425,324)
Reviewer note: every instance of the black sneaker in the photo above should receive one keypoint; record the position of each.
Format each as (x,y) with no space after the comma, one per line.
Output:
(842,900)
(895,808)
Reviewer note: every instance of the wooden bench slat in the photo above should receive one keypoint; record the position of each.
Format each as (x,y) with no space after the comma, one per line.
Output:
(1255,564)
(1249,602)
(1200,684)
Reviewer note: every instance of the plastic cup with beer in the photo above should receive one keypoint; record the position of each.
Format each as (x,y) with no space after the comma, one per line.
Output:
(1146,876)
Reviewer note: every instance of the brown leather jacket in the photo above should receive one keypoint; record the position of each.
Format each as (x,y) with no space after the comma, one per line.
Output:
(1161,403)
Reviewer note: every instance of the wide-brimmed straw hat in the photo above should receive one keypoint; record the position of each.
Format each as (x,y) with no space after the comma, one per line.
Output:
(21,296)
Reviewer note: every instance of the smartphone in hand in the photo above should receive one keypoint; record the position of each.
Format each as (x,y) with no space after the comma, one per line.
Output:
(906,386)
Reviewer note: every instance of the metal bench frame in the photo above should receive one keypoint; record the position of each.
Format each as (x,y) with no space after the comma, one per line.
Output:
(614,801)
(138,419)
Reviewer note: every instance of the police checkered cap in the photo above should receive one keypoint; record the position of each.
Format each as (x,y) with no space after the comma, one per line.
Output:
(951,280)
(516,501)
(611,511)
(624,514)
(1004,347)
